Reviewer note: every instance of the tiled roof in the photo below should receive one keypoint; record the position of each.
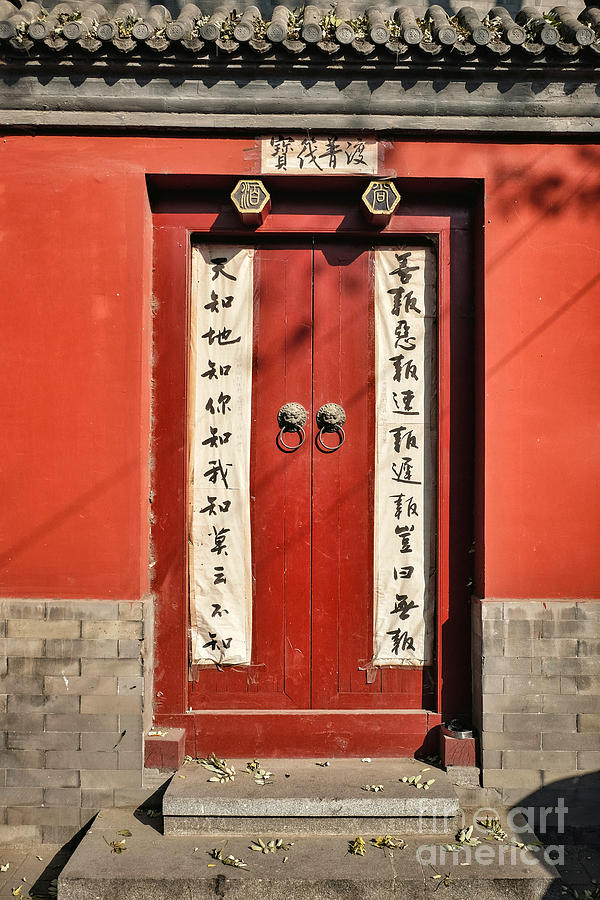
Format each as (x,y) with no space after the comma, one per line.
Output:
(91,29)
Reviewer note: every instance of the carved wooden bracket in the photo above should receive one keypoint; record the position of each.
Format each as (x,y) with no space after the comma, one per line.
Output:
(252,201)
(379,202)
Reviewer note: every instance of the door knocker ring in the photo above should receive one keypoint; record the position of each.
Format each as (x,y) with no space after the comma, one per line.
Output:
(330,418)
(291,417)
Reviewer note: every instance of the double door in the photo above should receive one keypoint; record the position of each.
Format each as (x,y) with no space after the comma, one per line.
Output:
(312,508)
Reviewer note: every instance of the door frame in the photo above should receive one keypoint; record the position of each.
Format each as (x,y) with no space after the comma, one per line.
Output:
(201,217)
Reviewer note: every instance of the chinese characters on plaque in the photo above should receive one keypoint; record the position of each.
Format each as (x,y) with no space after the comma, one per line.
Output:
(404,540)
(219,465)
(309,155)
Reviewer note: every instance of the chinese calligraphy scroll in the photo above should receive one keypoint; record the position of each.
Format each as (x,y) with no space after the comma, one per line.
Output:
(219,463)
(309,155)
(404,545)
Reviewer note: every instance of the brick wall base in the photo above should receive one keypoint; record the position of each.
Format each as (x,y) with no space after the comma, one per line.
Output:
(73,686)
(536,693)
(72,700)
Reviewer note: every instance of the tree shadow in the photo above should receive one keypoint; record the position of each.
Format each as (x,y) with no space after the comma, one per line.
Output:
(548,193)
(564,816)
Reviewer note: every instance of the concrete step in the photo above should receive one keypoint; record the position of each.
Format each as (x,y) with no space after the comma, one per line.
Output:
(303,797)
(162,867)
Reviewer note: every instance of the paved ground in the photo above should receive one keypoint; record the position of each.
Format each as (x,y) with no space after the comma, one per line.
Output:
(33,870)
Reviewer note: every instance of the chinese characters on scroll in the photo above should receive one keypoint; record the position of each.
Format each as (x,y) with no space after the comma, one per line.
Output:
(219,466)
(404,554)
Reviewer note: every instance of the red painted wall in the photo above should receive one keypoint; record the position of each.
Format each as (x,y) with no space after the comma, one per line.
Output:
(75,232)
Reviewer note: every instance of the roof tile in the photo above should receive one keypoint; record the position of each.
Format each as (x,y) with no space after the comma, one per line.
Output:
(381,34)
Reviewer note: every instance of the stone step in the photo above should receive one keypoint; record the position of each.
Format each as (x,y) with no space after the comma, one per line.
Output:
(162,867)
(305,797)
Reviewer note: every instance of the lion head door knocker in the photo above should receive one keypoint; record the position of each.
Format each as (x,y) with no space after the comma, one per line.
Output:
(291,417)
(330,419)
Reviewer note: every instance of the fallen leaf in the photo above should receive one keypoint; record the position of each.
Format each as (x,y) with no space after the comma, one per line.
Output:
(212,865)
(16,892)
(233,861)
(356,847)
(271,846)
(219,767)
(227,860)
(117,846)
(125,832)
(387,841)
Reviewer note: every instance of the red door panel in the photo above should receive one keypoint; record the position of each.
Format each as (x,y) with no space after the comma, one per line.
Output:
(279,676)
(342,548)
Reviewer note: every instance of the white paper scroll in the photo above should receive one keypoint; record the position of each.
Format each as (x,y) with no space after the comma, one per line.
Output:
(219,465)
(310,155)
(405,482)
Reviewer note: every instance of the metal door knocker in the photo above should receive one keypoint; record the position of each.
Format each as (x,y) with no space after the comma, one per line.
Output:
(291,417)
(330,418)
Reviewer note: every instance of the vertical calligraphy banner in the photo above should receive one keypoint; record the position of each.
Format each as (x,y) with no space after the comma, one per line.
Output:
(220,388)
(405,481)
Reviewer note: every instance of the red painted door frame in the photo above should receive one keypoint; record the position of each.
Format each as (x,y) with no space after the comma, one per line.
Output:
(385,731)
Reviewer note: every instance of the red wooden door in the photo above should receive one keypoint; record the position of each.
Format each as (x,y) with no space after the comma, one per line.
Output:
(311,512)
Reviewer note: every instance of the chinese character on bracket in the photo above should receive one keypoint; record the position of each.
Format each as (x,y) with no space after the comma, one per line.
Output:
(379,202)
(251,200)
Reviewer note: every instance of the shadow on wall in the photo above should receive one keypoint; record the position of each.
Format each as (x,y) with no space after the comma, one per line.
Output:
(547,190)
(547,194)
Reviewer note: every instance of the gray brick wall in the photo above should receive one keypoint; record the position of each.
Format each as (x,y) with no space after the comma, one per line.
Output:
(536,691)
(72,688)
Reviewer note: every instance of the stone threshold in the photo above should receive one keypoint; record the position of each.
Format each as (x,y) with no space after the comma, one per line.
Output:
(312,792)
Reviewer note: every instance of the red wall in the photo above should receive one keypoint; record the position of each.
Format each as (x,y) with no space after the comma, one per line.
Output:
(75,363)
